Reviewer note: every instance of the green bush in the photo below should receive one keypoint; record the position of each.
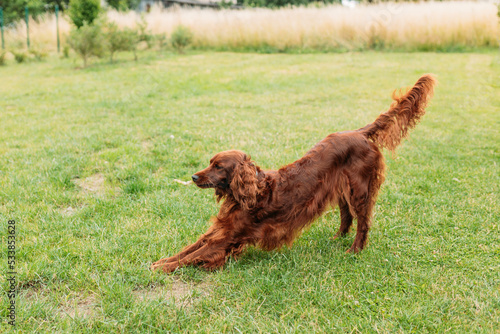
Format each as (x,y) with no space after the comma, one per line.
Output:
(38,54)
(84,11)
(87,41)
(66,51)
(162,41)
(181,38)
(120,40)
(143,33)
(3,56)
(20,56)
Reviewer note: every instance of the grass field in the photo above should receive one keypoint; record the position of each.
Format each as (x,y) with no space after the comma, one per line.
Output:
(87,169)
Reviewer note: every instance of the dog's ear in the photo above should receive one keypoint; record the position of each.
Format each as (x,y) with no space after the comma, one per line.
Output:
(244,184)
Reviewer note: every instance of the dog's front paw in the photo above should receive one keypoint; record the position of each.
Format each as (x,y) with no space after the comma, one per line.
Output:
(154,266)
(157,264)
(165,267)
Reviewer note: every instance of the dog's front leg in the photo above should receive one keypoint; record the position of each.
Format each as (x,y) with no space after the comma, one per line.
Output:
(176,258)
(210,256)
(211,250)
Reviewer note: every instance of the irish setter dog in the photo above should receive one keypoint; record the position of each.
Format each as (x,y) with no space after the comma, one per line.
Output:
(270,208)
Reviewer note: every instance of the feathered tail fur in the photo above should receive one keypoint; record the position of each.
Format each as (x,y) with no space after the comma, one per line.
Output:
(405,112)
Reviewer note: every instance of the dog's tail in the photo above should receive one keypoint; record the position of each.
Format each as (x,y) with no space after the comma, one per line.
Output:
(405,112)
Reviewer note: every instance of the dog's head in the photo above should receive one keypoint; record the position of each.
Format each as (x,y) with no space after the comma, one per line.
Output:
(231,173)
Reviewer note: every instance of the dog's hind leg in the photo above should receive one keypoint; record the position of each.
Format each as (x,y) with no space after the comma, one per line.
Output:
(345,219)
(363,202)
(364,187)
(363,218)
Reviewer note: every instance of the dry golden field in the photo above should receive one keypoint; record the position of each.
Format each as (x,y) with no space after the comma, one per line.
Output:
(443,26)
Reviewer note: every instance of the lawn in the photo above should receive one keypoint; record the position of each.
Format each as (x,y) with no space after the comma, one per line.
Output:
(87,169)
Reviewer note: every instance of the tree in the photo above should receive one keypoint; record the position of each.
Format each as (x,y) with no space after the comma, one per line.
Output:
(87,41)
(279,3)
(181,37)
(52,3)
(84,11)
(120,40)
(123,4)
(13,10)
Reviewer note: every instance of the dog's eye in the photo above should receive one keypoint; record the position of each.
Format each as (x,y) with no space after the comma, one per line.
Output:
(218,166)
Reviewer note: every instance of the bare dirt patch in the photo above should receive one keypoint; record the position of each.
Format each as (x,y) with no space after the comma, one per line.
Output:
(74,306)
(181,293)
(87,306)
(147,145)
(81,308)
(95,184)
(69,211)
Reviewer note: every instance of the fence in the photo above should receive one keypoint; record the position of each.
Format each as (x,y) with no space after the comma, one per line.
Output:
(1,28)
(26,20)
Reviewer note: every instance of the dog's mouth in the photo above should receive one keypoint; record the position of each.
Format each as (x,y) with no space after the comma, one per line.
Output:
(221,185)
(206,185)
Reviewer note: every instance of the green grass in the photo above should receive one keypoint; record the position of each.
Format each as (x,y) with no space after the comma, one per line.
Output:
(87,167)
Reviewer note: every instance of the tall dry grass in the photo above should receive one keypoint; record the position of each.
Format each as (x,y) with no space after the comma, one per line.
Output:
(401,26)
(42,33)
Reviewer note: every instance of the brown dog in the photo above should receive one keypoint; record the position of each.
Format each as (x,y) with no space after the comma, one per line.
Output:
(270,208)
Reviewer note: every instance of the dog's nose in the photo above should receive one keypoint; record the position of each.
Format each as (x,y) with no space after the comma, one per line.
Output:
(195,178)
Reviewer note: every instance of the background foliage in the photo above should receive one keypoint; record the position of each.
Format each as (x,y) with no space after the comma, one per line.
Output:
(84,11)
(123,4)
(282,3)
(14,9)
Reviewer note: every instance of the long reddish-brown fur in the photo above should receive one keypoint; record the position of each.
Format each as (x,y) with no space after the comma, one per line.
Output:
(270,208)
